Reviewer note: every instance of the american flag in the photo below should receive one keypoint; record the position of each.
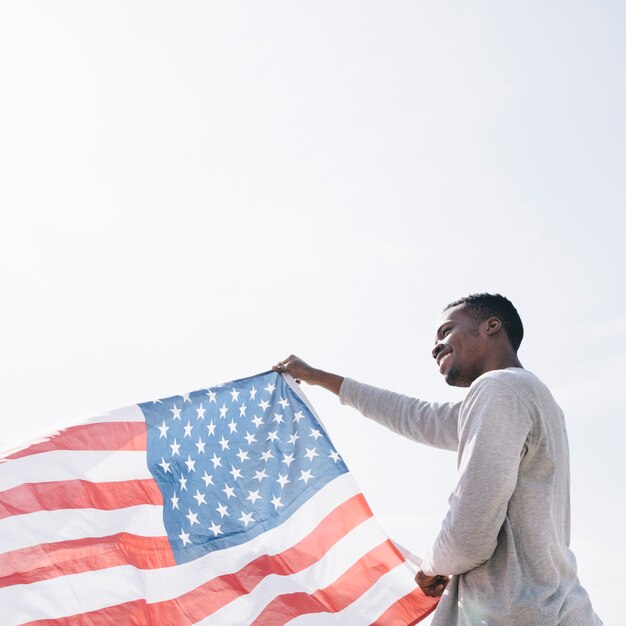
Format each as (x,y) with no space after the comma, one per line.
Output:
(226,506)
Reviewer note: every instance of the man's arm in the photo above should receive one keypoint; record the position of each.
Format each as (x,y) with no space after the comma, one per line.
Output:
(429,423)
(493,435)
(300,370)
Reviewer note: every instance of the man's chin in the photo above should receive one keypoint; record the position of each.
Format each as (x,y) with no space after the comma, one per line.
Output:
(454,379)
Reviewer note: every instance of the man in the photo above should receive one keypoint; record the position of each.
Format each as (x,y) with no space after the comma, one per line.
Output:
(502,555)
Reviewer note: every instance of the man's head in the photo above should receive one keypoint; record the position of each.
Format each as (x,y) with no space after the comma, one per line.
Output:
(477,334)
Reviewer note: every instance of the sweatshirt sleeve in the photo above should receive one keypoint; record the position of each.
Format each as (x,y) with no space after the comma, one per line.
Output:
(495,425)
(430,423)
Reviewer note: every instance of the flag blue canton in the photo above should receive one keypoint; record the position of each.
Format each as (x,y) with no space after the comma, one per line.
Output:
(234,461)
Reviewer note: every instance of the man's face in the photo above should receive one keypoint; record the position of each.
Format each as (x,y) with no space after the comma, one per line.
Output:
(459,347)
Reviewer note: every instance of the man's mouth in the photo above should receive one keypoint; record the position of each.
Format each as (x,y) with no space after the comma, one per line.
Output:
(442,361)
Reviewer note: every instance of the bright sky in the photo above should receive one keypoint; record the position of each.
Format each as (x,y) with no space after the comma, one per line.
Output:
(192,191)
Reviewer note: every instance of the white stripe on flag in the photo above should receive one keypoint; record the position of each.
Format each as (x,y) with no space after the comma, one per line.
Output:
(348,550)
(388,589)
(18,531)
(93,465)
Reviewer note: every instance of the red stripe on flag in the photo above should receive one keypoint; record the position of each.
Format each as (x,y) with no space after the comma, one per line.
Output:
(49,560)
(351,585)
(218,592)
(404,610)
(100,436)
(78,494)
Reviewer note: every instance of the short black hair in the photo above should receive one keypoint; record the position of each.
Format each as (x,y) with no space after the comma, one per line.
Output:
(485,305)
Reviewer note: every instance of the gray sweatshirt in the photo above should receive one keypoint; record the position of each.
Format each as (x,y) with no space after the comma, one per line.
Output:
(506,535)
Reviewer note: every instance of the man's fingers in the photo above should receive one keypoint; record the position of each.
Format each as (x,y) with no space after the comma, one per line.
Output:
(280,366)
(435,591)
(291,365)
(438,587)
(432,586)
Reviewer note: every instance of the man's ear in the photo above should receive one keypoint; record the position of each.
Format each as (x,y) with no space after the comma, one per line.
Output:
(493,325)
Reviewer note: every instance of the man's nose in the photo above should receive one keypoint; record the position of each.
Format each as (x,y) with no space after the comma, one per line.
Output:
(437,349)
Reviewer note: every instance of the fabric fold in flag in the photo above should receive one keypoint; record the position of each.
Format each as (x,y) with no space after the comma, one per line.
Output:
(227,505)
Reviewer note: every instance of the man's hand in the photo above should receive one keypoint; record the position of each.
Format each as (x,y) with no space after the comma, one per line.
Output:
(432,586)
(297,368)
(300,370)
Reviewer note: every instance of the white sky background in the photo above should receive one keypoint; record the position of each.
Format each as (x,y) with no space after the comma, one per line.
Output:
(191,191)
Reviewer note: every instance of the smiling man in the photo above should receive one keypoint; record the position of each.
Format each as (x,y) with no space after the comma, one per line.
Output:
(502,555)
